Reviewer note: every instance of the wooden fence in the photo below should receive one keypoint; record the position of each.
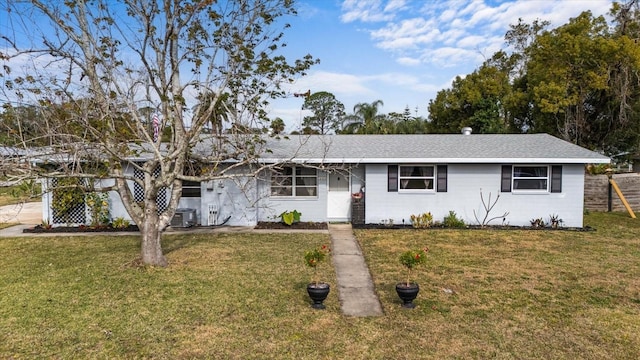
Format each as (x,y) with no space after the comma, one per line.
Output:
(596,192)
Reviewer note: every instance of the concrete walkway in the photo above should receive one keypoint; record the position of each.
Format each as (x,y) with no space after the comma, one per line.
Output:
(25,213)
(355,286)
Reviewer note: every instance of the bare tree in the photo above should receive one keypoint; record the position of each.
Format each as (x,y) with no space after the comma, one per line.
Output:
(103,61)
(488,207)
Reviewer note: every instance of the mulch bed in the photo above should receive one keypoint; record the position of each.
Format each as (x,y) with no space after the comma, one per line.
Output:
(470,227)
(301,225)
(38,229)
(307,225)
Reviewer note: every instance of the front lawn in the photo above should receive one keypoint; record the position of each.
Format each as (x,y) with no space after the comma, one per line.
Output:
(17,193)
(6,197)
(518,294)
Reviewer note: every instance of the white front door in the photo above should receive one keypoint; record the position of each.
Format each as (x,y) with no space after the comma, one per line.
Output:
(339,196)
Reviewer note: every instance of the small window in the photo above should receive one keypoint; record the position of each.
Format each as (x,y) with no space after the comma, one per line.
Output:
(530,178)
(294,181)
(416,177)
(191,189)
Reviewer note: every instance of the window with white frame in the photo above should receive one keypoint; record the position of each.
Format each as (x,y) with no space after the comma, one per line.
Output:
(294,181)
(530,178)
(416,177)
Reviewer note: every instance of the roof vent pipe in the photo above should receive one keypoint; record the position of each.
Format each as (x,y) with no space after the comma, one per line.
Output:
(466,130)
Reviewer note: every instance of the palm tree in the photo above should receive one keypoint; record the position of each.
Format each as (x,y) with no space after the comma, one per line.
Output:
(216,108)
(277,126)
(365,119)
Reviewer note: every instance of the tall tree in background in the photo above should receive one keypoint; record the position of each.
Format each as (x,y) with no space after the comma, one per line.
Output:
(218,108)
(19,124)
(583,81)
(104,60)
(567,67)
(365,119)
(405,123)
(579,81)
(623,99)
(327,113)
(277,126)
(476,100)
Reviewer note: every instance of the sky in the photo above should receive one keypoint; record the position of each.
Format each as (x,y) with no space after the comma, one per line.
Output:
(402,51)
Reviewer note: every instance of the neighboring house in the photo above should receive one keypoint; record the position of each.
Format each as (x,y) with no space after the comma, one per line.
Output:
(534,175)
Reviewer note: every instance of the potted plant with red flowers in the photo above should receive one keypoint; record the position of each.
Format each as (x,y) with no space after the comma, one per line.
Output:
(317,290)
(407,290)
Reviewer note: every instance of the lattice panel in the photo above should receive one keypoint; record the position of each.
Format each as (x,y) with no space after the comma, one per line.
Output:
(138,191)
(75,215)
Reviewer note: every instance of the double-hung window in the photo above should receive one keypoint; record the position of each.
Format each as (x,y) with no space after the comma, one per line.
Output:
(531,178)
(416,177)
(294,181)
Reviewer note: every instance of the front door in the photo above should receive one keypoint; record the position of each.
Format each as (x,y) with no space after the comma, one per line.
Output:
(339,196)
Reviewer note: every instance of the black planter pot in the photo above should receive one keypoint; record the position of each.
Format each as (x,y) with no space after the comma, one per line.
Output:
(318,293)
(407,294)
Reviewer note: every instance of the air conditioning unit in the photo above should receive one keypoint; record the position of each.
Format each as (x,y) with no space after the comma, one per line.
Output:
(184,218)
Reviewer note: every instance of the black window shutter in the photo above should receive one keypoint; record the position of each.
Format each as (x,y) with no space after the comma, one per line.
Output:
(392,173)
(442,178)
(556,178)
(506,178)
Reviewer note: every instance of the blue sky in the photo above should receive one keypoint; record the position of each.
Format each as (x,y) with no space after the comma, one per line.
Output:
(401,51)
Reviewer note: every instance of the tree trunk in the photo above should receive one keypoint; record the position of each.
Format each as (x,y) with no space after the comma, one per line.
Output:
(151,240)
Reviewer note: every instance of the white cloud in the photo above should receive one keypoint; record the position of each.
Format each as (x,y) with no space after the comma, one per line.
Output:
(366,11)
(463,30)
(395,5)
(446,57)
(406,34)
(433,39)
(451,36)
(471,41)
(335,83)
(397,79)
(391,87)
(408,61)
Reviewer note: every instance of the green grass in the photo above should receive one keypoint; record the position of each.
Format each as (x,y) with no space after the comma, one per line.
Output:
(5,196)
(4,225)
(8,197)
(519,294)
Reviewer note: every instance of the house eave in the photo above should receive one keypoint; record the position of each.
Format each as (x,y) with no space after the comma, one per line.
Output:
(438,160)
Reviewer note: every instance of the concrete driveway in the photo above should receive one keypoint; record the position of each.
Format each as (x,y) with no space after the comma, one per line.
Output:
(27,213)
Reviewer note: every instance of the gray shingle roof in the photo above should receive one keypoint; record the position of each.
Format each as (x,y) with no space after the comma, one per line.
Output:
(479,148)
